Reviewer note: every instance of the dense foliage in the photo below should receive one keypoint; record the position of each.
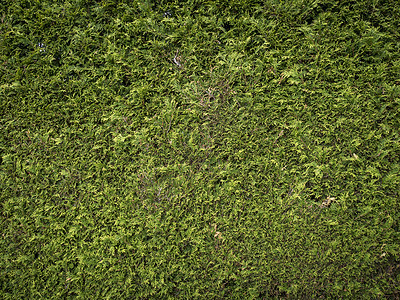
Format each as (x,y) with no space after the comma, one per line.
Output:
(199,149)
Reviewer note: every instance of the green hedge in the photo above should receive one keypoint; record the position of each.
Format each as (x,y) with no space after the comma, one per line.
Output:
(264,164)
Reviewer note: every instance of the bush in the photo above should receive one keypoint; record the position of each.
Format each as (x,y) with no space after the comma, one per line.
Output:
(242,149)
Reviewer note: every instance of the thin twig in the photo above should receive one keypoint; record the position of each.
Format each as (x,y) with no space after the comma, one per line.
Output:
(177,59)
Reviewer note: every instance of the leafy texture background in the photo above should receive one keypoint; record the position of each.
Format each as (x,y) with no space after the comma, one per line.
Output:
(125,175)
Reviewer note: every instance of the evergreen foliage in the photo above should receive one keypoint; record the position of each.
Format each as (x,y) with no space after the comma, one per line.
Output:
(199,149)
